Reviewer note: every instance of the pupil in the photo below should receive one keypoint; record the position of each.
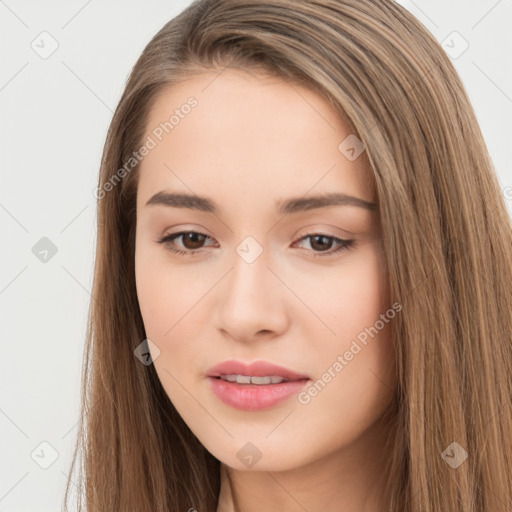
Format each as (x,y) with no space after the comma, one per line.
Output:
(190,238)
(315,237)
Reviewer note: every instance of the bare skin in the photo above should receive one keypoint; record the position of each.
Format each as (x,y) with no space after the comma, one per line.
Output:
(250,141)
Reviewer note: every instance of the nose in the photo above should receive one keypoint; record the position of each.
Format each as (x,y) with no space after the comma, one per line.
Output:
(252,301)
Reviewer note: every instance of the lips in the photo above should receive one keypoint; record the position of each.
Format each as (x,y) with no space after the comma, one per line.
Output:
(254,396)
(256,369)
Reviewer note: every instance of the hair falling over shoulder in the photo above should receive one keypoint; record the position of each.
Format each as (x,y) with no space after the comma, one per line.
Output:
(446,232)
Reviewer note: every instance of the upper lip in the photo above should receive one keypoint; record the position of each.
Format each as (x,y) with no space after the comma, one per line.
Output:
(256,369)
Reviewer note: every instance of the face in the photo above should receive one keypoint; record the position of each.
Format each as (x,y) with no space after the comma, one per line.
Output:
(252,276)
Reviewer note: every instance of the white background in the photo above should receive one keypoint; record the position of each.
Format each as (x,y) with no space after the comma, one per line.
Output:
(55,115)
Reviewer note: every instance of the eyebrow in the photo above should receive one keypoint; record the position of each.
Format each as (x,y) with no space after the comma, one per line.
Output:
(283,207)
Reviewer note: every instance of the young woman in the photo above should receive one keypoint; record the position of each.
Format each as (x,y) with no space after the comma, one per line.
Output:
(303,284)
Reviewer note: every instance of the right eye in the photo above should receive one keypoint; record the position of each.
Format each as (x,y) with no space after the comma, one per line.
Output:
(193,238)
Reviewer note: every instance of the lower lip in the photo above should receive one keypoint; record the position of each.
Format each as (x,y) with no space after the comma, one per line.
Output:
(255,397)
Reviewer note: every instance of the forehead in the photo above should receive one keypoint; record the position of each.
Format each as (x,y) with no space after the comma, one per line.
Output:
(251,133)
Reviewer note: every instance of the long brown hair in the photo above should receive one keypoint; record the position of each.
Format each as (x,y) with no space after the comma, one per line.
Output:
(446,233)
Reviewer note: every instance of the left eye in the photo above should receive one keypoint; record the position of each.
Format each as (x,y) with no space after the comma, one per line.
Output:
(195,239)
(320,240)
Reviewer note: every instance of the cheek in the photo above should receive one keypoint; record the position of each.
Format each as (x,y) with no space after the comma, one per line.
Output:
(171,300)
(356,294)
(356,368)
(368,294)
(165,292)
(165,300)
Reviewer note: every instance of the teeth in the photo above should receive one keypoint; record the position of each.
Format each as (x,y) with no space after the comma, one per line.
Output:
(246,379)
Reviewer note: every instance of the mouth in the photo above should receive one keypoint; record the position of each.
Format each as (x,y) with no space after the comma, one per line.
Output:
(251,373)
(257,386)
(248,379)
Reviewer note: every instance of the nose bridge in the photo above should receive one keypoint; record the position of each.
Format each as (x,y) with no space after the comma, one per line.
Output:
(251,298)
(250,275)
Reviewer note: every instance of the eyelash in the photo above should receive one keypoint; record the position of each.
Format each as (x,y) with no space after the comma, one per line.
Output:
(344,244)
